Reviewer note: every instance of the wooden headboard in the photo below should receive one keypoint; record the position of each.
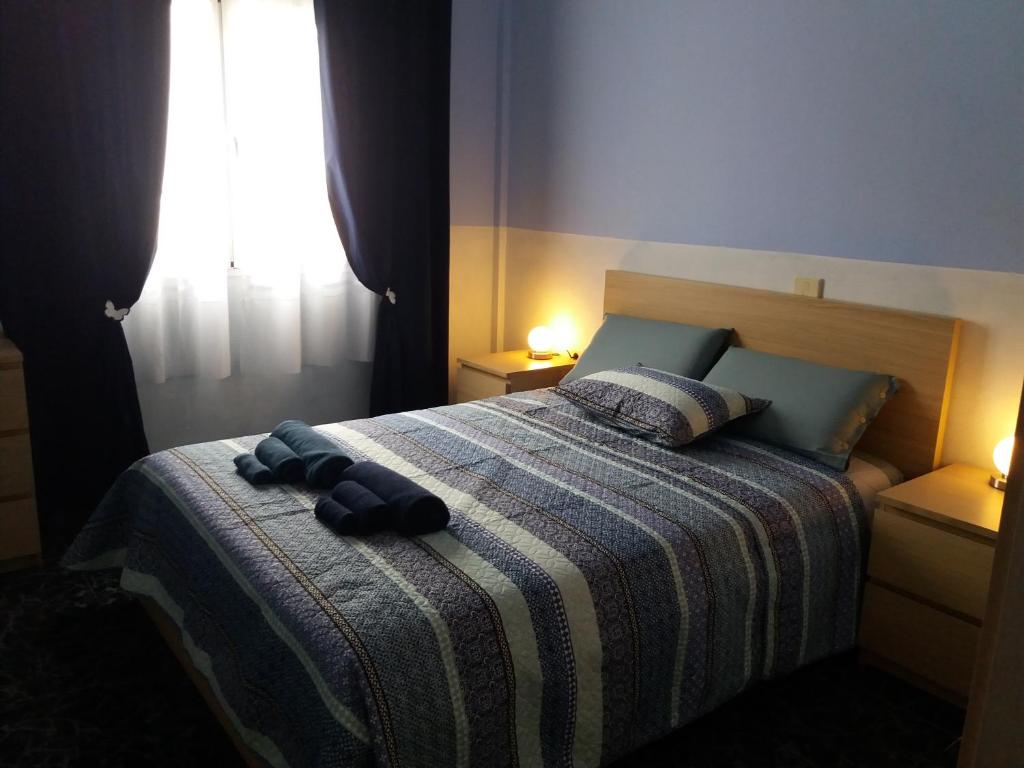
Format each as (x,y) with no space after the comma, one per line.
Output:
(916,348)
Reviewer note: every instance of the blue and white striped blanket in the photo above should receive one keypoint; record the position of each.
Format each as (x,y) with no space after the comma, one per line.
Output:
(592,592)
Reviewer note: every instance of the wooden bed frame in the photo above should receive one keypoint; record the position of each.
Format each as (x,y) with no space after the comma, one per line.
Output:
(171,634)
(919,349)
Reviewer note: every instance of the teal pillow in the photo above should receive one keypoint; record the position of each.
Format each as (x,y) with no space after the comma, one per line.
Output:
(817,410)
(685,350)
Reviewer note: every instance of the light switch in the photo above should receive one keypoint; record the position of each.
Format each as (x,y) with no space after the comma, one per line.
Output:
(809,286)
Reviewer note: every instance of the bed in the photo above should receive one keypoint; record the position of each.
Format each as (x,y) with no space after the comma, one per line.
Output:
(592,592)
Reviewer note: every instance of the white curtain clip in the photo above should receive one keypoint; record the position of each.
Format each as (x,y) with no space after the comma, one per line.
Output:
(115,314)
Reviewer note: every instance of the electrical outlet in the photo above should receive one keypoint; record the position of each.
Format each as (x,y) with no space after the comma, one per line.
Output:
(809,286)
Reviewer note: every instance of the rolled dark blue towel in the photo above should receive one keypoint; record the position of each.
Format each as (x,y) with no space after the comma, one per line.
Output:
(371,512)
(337,517)
(282,461)
(323,459)
(249,467)
(414,509)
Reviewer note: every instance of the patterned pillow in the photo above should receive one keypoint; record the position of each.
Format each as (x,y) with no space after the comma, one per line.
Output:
(672,410)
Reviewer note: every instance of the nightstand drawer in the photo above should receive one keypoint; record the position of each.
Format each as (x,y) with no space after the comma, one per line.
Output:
(501,373)
(929,643)
(471,384)
(941,565)
(536,379)
(19,531)
(13,414)
(15,466)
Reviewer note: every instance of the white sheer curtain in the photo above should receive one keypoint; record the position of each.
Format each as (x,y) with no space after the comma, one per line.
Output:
(245,184)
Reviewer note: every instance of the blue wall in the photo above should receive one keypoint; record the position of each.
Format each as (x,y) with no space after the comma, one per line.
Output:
(875,129)
(476,53)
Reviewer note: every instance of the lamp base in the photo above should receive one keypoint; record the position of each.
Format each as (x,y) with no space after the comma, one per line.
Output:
(540,355)
(999,483)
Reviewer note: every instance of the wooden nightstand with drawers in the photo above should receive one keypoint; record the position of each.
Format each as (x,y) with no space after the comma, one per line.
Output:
(502,373)
(932,544)
(19,529)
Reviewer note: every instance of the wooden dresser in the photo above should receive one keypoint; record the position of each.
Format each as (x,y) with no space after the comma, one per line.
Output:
(19,528)
(932,545)
(501,373)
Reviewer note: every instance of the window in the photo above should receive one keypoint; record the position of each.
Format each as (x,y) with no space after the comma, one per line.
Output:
(250,274)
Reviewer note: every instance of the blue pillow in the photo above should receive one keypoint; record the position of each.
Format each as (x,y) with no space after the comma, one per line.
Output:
(817,410)
(686,350)
(671,410)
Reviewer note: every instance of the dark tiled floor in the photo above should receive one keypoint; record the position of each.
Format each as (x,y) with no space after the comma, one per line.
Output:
(85,680)
(833,714)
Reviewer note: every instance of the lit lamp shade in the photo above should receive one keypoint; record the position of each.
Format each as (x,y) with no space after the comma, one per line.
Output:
(1001,457)
(541,342)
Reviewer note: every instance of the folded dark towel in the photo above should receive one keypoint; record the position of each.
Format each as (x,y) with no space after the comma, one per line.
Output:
(337,517)
(371,513)
(323,459)
(414,510)
(281,460)
(249,467)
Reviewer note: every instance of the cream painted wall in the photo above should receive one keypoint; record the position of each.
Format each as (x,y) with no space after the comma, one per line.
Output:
(548,274)
(472,290)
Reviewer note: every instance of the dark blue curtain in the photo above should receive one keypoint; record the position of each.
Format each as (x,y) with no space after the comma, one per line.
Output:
(83,116)
(384,78)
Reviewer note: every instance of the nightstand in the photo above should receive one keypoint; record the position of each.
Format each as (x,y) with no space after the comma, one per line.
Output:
(932,543)
(19,529)
(501,373)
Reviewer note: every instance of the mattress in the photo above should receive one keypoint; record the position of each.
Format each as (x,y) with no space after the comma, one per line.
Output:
(592,592)
(871,475)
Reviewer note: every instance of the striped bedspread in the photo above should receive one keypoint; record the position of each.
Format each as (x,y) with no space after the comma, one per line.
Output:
(592,592)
